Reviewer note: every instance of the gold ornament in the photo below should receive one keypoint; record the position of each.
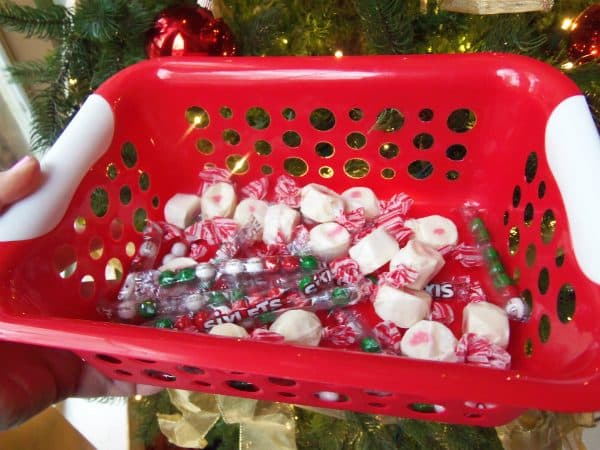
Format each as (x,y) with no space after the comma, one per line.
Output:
(262,424)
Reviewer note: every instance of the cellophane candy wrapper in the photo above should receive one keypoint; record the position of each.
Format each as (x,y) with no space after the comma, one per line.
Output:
(244,291)
(382,266)
(505,289)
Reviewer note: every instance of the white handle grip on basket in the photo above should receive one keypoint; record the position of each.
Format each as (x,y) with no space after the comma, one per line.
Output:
(81,144)
(573,152)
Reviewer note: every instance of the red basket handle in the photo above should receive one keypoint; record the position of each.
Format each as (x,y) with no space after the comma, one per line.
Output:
(82,143)
(573,152)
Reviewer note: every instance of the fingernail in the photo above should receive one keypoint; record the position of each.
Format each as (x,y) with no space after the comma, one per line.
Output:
(23,161)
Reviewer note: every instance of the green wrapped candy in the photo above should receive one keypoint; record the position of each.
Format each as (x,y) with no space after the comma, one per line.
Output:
(305,282)
(167,278)
(217,298)
(370,345)
(187,274)
(502,280)
(309,263)
(496,267)
(340,296)
(491,254)
(164,323)
(147,309)
(479,229)
(237,294)
(267,318)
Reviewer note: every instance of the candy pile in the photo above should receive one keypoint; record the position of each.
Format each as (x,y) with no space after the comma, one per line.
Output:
(303,264)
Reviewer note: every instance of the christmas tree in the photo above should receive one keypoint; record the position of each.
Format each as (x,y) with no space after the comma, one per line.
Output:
(100,37)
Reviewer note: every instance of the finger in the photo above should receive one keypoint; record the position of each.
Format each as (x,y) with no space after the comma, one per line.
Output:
(19,181)
(33,379)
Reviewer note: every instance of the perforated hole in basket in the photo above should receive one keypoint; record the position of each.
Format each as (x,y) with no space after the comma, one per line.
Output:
(99,202)
(205,146)
(389,120)
(324,149)
(389,150)
(262,148)
(295,166)
(258,118)
(237,164)
(426,408)
(331,397)
(243,386)
(322,119)
(355,114)
(197,117)
(87,286)
(226,112)
(65,260)
(461,120)
(288,114)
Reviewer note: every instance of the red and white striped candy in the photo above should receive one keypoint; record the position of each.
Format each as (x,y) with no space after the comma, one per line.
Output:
(212,175)
(198,250)
(345,271)
(400,203)
(399,277)
(353,221)
(393,223)
(340,335)
(300,243)
(388,335)
(478,350)
(468,255)
(261,334)
(446,249)
(367,229)
(256,189)
(442,312)
(170,232)
(467,290)
(287,191)
(214,231)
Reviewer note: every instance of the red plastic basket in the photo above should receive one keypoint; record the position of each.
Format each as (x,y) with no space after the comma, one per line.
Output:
(531,159)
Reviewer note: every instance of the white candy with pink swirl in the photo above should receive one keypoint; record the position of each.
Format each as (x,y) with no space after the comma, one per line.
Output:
(487,320)
(182,210)
(320,204)
(423,259)
(298,327)
(437,231)
(403,307)
(374,250)
(361,197)
(248,209)
(429,340)
(329,241)
(218,200)
(279,225)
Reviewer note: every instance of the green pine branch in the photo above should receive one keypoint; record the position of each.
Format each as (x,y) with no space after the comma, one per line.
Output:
(388,24)
(46,23)
(98,20)
(27,72)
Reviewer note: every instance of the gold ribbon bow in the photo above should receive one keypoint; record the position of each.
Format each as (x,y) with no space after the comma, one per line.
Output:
(263,425)
(537,430)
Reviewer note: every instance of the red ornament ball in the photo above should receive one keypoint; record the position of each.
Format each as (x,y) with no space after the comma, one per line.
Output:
(188,30)
(585,35)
